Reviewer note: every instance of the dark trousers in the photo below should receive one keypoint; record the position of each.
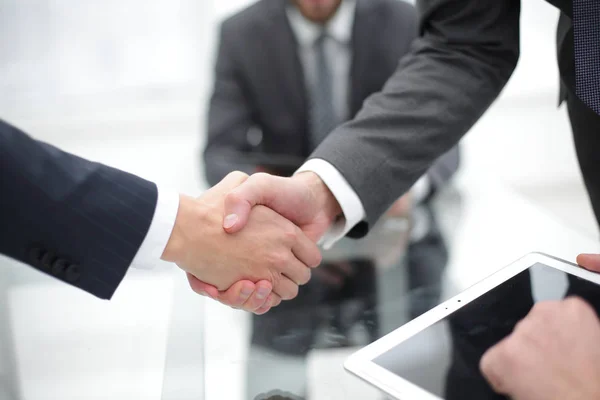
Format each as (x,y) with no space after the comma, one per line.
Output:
(474,330)
(586,135)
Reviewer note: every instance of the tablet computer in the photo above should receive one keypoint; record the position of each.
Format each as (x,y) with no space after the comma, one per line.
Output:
(436,356)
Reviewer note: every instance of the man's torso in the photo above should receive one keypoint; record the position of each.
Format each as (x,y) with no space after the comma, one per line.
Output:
(273,74)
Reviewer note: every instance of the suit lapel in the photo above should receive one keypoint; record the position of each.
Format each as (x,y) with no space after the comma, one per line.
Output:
(284,56)
(361,39)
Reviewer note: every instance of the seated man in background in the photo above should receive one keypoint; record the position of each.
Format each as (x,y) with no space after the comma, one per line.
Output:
(287,72)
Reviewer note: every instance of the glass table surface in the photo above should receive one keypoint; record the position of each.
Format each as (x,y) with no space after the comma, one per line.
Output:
(366,289)
(158,340)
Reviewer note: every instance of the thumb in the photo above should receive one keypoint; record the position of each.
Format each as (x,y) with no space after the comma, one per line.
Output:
(589,261)
(230,182)
(258,189)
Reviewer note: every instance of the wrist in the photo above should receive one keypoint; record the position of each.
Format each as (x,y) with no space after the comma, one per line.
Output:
(324,198)
(175,248)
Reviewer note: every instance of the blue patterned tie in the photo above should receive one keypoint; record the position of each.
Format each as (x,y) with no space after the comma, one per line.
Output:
(586,23)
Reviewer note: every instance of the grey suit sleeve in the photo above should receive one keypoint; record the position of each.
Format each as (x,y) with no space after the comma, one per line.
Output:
(443,169)
(463,57)
(229,114)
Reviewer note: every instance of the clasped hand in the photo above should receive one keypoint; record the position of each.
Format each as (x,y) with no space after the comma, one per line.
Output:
(254,268)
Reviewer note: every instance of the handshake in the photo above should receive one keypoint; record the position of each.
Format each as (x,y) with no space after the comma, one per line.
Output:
(251,241)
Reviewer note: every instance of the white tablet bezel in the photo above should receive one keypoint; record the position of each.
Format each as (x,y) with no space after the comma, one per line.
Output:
(361,363)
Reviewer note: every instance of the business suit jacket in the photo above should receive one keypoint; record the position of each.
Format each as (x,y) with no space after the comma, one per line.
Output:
(76,220)
(259,83)
(464,55)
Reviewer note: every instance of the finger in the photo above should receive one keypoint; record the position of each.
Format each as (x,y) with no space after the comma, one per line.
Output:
(276,300)
(296,270)
(589,261)
(495,366)
(286,288)
(305,250)
(258,189)
(273,301)
(202,288)
(237,294)
(231,181)
(260,297)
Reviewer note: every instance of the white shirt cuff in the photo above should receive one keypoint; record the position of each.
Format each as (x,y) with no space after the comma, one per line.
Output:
(149,253)
(352,208)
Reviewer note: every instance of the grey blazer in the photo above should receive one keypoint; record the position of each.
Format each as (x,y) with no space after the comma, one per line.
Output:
(464,55)
(259,85)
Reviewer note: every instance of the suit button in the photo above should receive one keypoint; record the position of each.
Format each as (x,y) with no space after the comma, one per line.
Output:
(73,273)
(47,260)
(59,266)
(36,254)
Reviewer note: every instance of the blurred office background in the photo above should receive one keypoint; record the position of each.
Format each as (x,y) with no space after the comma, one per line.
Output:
(92,75)
(126,83)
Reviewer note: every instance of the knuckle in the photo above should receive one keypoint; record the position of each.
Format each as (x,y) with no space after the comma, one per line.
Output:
(510,352)
(278,260)
(523,328)
(291,232)
(305,276)
(233,197)
(275,278)
(488,365)
(237,175)
(542,309)
(259,175)
(258,178)
(318,258)
(576,305)
(487,362)
(292,293)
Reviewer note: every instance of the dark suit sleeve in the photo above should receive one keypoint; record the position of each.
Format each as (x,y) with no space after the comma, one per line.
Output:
(229,114)
(465,54)
(79,221)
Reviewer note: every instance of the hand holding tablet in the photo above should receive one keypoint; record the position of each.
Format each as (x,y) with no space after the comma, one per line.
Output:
(438,355)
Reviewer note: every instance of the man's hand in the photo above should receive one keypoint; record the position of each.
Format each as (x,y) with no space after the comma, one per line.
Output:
(552,354)
(271,248)
(303,199)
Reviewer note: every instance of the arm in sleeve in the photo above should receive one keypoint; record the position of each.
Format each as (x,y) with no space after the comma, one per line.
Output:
(76,220)
(464,55)
(439,174)
(229,113)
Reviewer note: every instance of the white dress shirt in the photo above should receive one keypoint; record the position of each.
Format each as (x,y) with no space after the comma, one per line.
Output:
(158,235)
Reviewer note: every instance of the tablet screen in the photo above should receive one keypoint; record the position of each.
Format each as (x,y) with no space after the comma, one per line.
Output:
(444,358)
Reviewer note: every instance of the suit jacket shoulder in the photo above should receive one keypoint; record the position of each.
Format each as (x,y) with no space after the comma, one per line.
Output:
(247,20)
(391,11)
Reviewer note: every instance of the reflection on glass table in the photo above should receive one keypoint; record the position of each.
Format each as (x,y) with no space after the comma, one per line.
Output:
(340,306)
(297,350)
